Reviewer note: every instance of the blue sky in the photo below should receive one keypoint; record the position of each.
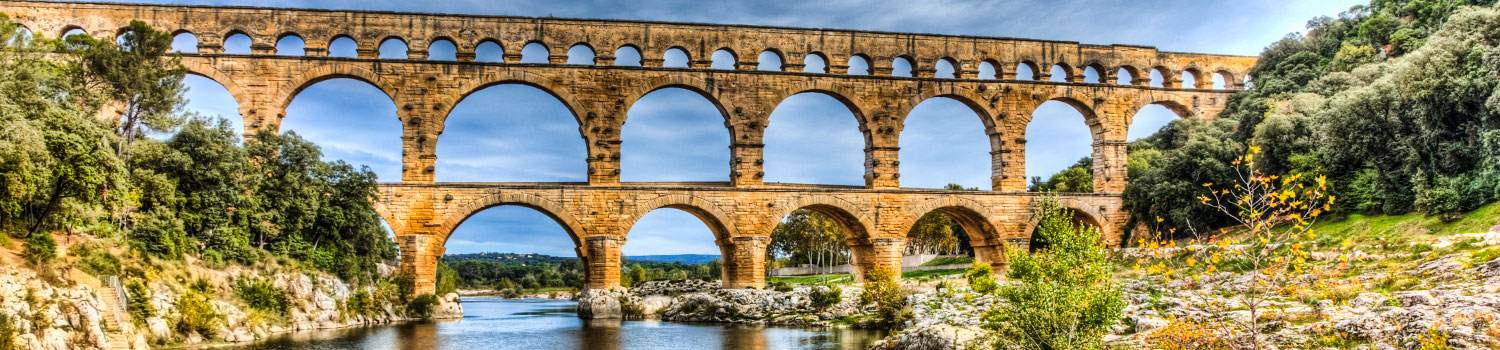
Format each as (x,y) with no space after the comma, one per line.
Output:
(517,133)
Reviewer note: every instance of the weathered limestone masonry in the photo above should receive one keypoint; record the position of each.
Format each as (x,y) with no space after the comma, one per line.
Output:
(743,211)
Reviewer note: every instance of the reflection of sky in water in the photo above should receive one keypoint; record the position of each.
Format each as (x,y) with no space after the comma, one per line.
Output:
(549,324)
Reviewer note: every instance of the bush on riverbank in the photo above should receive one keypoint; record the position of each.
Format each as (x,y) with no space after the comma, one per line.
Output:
(882,290)
(1066,297)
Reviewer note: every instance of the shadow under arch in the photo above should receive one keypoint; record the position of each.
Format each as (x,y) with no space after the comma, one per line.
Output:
(984,237)
(856,225)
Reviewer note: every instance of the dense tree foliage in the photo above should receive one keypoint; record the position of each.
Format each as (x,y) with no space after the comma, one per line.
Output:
(533,271)
(1078,178)
(808,237)
(1396,101)
(198,192)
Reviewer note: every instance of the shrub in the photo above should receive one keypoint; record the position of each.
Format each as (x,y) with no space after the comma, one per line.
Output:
(1183,335)
(95,259)
(981,278)
(781,287)
(197,315)
(40,248)
(139,304)
(1067,297)
(261,294)
(7,333)
(361,303)
(882,290)
(421,306)
(630,310)
(447,279)
(823,297)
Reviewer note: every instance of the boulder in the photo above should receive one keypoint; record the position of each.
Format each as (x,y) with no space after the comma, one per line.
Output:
(600,303)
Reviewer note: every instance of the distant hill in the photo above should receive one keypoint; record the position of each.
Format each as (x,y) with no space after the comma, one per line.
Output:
(516,259)
(513,259)
(678,258)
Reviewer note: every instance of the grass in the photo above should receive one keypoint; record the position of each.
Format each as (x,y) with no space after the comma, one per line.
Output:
(1400,232)
(949,260)
(846,278)
(811,279)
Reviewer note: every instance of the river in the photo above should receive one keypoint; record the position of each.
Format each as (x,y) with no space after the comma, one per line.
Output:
(537,324)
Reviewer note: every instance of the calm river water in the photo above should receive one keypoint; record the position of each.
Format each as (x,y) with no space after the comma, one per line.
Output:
(533,324)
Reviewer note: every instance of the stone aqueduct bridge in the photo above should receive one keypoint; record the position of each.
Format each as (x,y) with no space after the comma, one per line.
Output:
(741,212)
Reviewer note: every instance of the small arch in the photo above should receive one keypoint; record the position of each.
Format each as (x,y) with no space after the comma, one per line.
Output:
(946,69)
(987,70)
(769,60)
(185,42)
(21,38)
(343,46)
(1061,73)
(237,43)
(723,59)
(71,30)
(394,48)
(1093,74)
(1026,70)
(489,51)
(442,49)
(535,52)
(1159,77)
(628,56)
(675,57)
(1190,78)
(815,63)
(859,65)
(581,54)
(901,66)
(1126,75)
(1222,79)
(290,45)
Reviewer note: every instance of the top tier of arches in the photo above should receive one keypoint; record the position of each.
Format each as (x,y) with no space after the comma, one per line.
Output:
(923,55)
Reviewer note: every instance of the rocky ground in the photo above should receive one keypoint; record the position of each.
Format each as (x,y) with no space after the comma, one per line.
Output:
(703,301)
(1444,297)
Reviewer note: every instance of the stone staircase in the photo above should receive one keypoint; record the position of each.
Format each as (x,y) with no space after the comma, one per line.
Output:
(115,316)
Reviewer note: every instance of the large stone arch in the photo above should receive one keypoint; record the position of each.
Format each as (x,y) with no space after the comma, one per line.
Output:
(324,72)
(1181,108)
(839,93)
(1083,212)
(462,212)
(718,220)
(856,222)
(507,77)
(206,70)
(960,208)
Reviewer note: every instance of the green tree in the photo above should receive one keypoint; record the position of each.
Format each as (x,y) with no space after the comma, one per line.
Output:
(137,72)
(1078,178)
(1066,297)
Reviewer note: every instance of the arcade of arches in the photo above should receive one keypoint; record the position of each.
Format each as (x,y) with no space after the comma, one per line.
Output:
(742,212)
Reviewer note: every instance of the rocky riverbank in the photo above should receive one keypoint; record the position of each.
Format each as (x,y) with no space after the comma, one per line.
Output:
(703,301)
(59,306)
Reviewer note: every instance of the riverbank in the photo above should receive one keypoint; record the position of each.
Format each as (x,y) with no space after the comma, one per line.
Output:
(68,304)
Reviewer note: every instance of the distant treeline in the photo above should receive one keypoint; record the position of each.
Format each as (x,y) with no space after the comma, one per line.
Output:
(509,271)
